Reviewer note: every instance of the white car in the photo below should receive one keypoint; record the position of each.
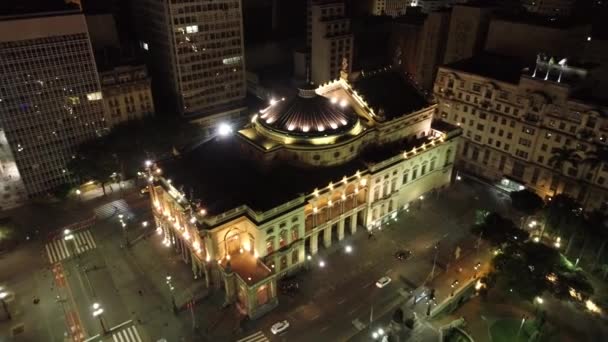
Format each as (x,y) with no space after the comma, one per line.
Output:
(382,282)
(279,327)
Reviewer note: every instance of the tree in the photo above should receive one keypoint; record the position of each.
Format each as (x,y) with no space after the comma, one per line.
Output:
(499,231)
(562,157)
(398,316)
(563,215)
(526,201)
(593,161)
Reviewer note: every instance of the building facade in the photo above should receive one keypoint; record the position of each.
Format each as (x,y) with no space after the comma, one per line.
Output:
(332,42)
(467,32)
(195,52)
(50,96)
(127,94)
(428,6)
(310,170)
(516,119)
(12,190)
(552,8)
(393,8)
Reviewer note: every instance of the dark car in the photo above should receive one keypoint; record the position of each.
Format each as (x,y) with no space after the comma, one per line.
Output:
(403,255)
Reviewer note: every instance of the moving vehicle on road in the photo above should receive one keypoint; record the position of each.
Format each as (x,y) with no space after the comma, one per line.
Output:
(279,327)
(382,282)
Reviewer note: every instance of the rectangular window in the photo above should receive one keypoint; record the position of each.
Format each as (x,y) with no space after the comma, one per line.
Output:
(192,29)
(541,159)
(405,177)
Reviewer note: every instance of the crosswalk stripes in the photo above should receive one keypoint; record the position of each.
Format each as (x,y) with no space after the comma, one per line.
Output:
(129,334)
(60,249)
(110,209)
(257,337)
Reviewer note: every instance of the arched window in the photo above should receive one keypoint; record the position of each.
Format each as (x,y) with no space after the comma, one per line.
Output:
(448,155)
(270,245)
(406,175)
(294,233)
(282,238)
(295,257)
(415,172)
(432,167)
(423,170)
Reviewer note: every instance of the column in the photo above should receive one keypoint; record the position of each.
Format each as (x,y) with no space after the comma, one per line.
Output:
(314,243)
(195,268)
(341,229)
(327,236)
(353,223)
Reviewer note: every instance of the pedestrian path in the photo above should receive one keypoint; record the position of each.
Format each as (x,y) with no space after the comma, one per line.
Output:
(257,337)
(110,209)
(59,248)
(128,334)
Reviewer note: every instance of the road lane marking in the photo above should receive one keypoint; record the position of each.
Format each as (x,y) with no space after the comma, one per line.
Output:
(341,300)
(312,319)
(324,328)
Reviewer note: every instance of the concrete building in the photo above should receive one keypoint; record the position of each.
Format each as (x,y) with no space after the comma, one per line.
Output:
(393,8)
(195,54)
(12,190)
(428,6)
(467,32)
(418,43)
(307,172)
(524,36)
(516,117)
(50,96)
(127,94)
(550,8)
(332,42)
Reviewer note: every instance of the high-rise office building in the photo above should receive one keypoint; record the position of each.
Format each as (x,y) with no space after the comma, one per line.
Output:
(195,54)
(332,41)
(50,96)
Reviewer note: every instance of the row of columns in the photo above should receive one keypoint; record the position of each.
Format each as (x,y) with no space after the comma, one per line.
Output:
(186,254)
(314,238)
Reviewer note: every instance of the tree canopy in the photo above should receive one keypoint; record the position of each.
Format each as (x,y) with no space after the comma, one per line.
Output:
(526,201)
(499,231)
(124,149)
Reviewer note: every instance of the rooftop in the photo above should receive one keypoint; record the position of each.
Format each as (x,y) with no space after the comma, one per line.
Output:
(248,267)
(390,92)
(34,7)
(540,20)
(223,177)
(498,67)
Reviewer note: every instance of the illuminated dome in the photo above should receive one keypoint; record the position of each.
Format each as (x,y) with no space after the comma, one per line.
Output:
(309,115)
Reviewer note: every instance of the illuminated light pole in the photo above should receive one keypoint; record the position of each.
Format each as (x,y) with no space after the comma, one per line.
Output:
(453,286)
(97,312)
(171,289)
(348,249)
(79,194)
(523,321)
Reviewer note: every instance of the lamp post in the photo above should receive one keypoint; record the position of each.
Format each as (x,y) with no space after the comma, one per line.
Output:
(171,289)
(79,194)
(97,312)
(523,321)
(3,295)
(453,286)
(123,224)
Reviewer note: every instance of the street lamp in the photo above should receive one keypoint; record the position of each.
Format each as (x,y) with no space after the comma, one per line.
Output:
(224,129)
(523,321)
(97,312)
(348,249)
(453,286)
(171,289)
(144,224)
(79,194)
(321,263)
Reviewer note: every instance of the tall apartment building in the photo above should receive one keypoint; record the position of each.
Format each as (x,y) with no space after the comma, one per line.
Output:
(549,7)
(393,8)
(467,32)
(50,96)
(195,54)
(418,43)
(514,119)
(332,42)
(127,94)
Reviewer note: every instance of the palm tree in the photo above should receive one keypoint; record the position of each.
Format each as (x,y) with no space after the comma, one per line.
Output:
(562,157)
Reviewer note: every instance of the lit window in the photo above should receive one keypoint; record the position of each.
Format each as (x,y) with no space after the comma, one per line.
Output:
(192,29)
(96,96)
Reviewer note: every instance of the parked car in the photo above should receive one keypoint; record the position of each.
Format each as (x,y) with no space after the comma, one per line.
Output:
(279,327)
(403,254)
(382,282)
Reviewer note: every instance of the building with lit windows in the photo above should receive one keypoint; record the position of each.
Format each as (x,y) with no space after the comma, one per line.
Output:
(515,117)
(247,209)
(331,41)
(393,8)
(549,7)
(50,96)
(195,54)
(127,94)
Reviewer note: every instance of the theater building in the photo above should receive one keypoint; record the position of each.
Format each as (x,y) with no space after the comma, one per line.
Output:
(249,208)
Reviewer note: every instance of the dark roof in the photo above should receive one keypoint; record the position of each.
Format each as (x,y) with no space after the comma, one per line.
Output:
(222,176)
(33,7)
(391,92)
(558,22)
(498,67)
(309,114)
